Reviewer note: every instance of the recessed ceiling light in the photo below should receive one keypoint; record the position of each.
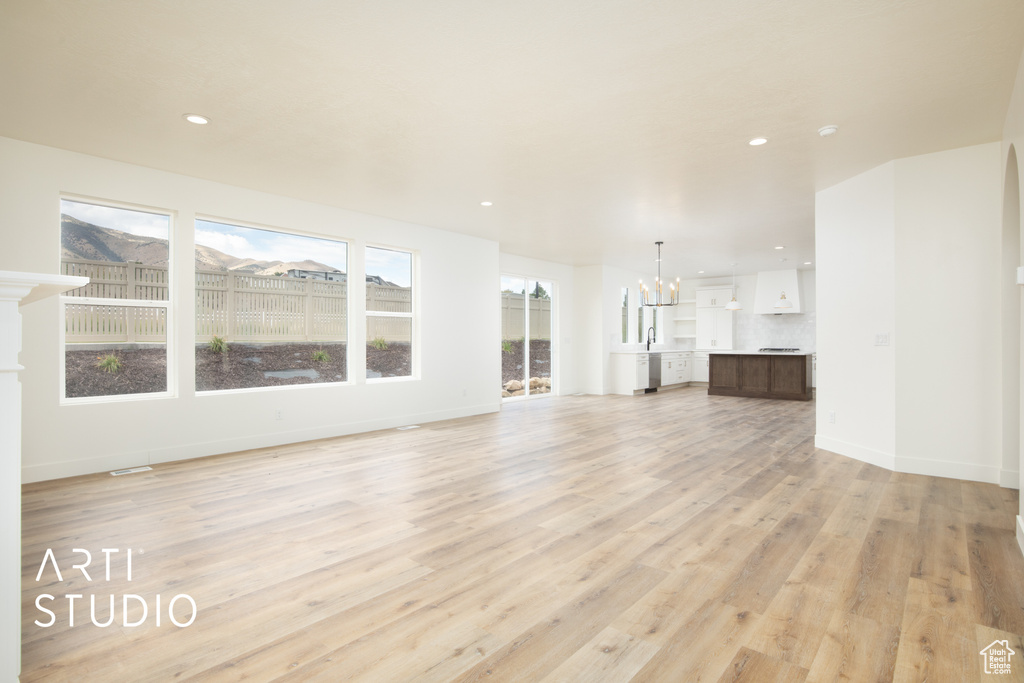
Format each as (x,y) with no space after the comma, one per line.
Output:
(486,203)
(758,141)
(825,131)
(807,263)
(780,247)
(196,118)
(700,272)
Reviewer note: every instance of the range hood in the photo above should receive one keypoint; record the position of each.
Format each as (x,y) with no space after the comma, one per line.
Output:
(770,286)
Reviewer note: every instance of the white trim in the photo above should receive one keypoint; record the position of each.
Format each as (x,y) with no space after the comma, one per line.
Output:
(951,470)
(106,463)
(1009,479)
(855,451)
(100,301)
(1020,533)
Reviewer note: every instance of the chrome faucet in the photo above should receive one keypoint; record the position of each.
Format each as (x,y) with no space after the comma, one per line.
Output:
(650,331)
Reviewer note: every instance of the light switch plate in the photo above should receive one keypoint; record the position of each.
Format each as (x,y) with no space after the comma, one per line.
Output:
(882,339)
(1020,275)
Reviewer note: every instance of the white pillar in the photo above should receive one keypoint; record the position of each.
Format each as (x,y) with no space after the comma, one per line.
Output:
(16,289)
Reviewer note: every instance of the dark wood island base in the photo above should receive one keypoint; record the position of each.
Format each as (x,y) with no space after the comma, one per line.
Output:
(756,375)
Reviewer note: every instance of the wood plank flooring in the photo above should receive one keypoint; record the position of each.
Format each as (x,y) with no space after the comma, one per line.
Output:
(667,537)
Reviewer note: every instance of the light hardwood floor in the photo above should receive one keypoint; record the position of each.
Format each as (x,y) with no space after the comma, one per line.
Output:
(668,537)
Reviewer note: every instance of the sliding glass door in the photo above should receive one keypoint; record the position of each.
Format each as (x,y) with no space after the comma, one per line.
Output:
(526,324)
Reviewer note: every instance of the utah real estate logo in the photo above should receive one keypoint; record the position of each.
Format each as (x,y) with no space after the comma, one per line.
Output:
(997,657)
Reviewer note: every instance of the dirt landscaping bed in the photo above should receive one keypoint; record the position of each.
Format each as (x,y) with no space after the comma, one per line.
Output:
(243,366)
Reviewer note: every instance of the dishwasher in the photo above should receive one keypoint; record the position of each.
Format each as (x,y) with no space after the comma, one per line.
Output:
(654,372)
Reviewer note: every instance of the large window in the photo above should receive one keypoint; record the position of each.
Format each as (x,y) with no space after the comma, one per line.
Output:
(116,328)
(271,308)
(389,313)
(525,337)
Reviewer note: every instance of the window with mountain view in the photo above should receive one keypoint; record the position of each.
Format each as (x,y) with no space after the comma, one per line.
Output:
(389,313)
(117,327)
(271,308)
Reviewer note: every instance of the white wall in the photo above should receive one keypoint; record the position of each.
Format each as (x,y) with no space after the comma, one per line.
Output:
(587,330)
(1013,135)
(563,298)
(459,367)
(855,262)
(912,249)
(752,331)
(948,313)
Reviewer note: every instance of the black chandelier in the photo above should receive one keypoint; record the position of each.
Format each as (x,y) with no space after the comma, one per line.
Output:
(659,289)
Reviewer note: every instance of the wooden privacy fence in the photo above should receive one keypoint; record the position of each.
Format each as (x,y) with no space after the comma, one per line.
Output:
(513,317)
(234,306)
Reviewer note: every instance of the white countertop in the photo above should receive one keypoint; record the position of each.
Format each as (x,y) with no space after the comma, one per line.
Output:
(735,352)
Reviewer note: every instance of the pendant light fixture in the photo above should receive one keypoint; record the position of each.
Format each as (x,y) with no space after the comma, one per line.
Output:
(659,289)
(733,305)
(783,302)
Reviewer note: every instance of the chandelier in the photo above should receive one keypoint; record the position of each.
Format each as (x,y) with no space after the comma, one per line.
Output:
(659,289)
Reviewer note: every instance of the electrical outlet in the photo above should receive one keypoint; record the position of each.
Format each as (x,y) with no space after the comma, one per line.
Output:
(831,417)
(882,339)
(278,414)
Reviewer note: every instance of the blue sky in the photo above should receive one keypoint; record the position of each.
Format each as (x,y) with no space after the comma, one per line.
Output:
(267,245)
(242,242)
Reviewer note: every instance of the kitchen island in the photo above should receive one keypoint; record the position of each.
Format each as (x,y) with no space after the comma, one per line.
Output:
(760,375)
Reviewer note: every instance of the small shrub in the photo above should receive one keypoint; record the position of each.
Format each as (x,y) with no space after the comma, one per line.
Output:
(506,346)
(108,363)
(218,345)
(321,356)
(380,343)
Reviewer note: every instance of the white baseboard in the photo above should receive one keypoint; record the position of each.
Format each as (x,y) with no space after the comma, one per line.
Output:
(1020,533)
(106,463)
(951,470)
(855,451)
(934,468)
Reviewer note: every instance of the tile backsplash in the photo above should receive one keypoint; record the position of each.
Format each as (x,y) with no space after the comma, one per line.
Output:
(753,331)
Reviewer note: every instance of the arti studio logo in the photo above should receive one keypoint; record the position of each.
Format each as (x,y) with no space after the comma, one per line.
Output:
(997,657)
(135,608)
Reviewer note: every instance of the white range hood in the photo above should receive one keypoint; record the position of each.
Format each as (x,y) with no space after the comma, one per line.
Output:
(770,286)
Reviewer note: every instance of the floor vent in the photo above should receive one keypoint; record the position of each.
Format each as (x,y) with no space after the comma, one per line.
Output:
(402,429)
(130,470)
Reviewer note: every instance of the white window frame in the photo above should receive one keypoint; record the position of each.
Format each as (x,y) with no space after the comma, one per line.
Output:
(349,246)
(554,333)
(412,315)
(168,305)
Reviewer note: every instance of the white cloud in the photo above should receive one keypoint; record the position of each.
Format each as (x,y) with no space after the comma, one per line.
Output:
(126,220)
(233,245)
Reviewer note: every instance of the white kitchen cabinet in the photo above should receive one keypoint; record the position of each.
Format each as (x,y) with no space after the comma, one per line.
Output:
(679,368)
(713,298)
(631,372)
(675,368)
(701,368)
(714,329)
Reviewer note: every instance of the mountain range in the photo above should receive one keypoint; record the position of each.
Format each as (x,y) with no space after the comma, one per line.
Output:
(85,241)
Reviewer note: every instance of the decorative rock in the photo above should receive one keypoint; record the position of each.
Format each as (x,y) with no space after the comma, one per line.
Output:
(513,385)
(545,381)
(518,392)
(505,394)
(535,383)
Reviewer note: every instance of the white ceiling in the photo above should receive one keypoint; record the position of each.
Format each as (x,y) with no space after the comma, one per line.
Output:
(596,127)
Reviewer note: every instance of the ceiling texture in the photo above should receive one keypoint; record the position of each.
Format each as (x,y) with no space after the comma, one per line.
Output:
(595,127)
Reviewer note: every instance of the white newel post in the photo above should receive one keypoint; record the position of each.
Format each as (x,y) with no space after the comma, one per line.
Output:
(16,289)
